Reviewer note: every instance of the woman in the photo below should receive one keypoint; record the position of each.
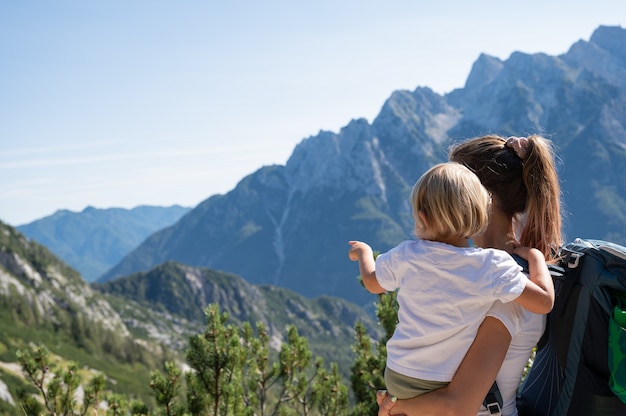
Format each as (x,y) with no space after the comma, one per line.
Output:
(521,175)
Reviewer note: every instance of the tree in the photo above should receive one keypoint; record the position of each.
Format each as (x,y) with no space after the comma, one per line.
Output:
(57,386)
(261,373)
(215,385)
(331,393)
(234,372)
(166,388)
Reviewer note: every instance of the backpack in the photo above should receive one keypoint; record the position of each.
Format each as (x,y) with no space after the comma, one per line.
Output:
(575,373)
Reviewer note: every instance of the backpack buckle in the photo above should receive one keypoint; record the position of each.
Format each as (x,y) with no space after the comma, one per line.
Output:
(493,400)
(573,259)
(494,408)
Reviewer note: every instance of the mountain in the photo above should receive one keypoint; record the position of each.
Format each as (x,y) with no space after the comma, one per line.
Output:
(94,240)
(289,225)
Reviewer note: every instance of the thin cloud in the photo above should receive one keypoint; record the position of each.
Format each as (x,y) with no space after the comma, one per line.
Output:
(51,161)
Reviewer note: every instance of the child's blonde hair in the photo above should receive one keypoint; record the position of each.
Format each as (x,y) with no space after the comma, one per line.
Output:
(453,202)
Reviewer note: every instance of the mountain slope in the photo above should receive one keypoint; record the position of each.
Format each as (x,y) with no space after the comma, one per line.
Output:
(43,301)
(94,240)
(289,225)
(167,303)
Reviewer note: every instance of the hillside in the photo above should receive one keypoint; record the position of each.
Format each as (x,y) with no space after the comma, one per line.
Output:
(45,302)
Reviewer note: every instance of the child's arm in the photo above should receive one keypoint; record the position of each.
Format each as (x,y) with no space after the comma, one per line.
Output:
(538,296)
(363,253)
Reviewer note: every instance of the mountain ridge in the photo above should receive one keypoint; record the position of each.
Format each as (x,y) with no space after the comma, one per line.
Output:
(94,240)
(183,292)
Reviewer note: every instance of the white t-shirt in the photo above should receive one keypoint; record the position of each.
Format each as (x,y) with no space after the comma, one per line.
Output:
(444,294)
(525,328)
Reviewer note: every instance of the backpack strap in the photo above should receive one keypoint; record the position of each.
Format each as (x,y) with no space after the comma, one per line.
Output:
(493,400)
(573,357)
(571,259)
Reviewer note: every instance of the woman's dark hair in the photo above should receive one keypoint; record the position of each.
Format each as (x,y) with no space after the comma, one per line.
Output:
(525,188)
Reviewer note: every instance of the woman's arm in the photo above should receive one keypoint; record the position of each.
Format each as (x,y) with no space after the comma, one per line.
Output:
(470,384)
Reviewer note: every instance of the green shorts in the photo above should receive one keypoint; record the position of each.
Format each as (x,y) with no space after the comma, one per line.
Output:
(405,387)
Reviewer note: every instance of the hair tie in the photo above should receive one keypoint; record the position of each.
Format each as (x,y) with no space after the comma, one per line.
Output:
(519,145)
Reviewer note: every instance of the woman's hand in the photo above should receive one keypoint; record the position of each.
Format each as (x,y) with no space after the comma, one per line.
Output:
(385,402)
(469,386)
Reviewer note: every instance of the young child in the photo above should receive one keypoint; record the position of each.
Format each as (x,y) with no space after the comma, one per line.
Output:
(445,286)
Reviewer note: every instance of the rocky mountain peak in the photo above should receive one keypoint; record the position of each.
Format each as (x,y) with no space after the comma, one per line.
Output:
(604,55)
(483,72)
(612,39)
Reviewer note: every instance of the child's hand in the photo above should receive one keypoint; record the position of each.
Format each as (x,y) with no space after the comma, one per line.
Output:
(358,249)
(527,252)
(362,252)
(538,295)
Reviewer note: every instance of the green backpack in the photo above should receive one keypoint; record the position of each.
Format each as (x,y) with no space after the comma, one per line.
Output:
(617,349)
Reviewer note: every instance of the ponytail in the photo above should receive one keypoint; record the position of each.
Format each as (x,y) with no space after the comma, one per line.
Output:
(542,228)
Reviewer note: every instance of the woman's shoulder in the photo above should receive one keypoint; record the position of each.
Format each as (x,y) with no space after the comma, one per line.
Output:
(495,253)
(498,259)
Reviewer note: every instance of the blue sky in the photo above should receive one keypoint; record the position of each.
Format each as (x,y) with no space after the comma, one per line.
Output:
(124,103)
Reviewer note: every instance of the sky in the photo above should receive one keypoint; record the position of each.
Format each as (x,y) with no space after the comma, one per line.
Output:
(124,103)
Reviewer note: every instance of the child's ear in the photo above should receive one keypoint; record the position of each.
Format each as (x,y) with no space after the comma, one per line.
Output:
(422,215)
